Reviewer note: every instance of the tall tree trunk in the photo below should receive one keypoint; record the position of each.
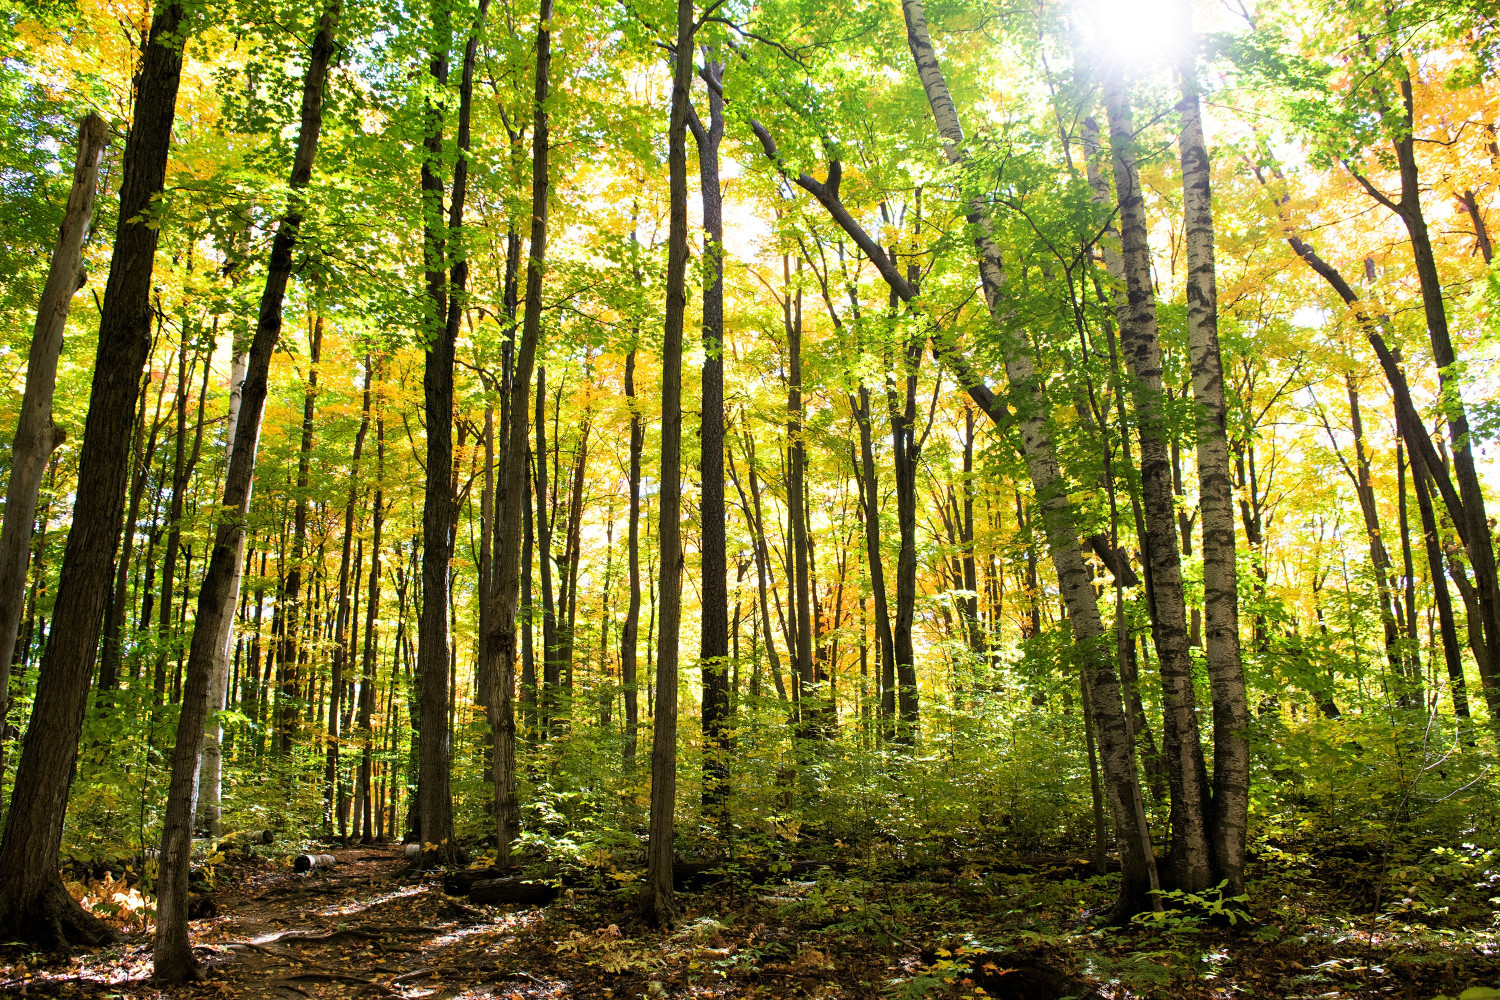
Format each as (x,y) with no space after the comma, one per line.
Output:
(445,294)
(174,528)
(33,903)
(628,633)
(172,952)
(870,505)
(547,696)
(714,598)
(906,453)
(1187,773)
(368,830)
(36,436)
(342,646)
(512,490)
(211,770)
(1226,674)
(1478,541)
(656,898)
(1117,755)
(291,651)
(800,642)
(969,606)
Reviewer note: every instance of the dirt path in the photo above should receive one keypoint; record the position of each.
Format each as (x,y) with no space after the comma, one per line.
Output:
(361,929)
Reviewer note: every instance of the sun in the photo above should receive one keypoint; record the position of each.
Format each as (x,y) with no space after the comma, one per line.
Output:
(1141,35)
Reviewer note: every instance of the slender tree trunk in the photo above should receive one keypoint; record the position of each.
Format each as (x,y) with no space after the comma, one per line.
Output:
(656,898)
(290,651)
(870,505)
(800,641)
(1039,450)
(1452,654)
(1226,675)
(33,903)
(628,633)
(512,490)
(211,771)
(372,616)
(547,696)
(342,646)
(36,435)
(906,453)
(714,599)
(172,952)
(174,528)
(1186,770)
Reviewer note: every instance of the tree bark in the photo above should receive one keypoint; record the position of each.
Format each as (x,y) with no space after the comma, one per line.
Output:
(630,630)
(1192,868)
(211,768)
(656,902)
(172,951)
(512,492)
(36,436)
(34,906)
(714,598)
(1226,674)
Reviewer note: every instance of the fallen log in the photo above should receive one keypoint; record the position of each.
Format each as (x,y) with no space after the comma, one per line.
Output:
(512,891)
(246,838)
(307,862)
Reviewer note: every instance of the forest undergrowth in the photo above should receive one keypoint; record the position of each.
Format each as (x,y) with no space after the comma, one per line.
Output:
(1374,872)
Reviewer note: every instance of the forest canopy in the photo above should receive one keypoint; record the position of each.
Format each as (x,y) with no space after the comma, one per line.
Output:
(919,440)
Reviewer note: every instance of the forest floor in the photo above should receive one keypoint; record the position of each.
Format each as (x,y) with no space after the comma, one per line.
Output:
(367,928)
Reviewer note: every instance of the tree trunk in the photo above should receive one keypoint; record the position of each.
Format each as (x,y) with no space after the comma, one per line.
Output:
(800,642)
(631,628)
(1117,755)
(512,489)
(1181,742)
(367,819)
(870,505)
(656,897)
(36,436)
(211,770)
(1226,675)
(174,528)
(906,452)
(714,599)
(33,903)
(342,647)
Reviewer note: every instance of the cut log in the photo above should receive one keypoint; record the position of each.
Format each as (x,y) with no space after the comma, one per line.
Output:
(243,840)
(307,862)
(513,891)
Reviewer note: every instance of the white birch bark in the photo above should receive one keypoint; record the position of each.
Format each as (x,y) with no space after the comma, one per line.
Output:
(211,761)
(1226,675)
(1059,519)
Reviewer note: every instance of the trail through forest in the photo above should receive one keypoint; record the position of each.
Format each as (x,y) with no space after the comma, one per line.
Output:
(370,927)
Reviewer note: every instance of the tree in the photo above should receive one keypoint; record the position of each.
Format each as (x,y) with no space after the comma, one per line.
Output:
(172,952)
(656,900)
(33,903)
